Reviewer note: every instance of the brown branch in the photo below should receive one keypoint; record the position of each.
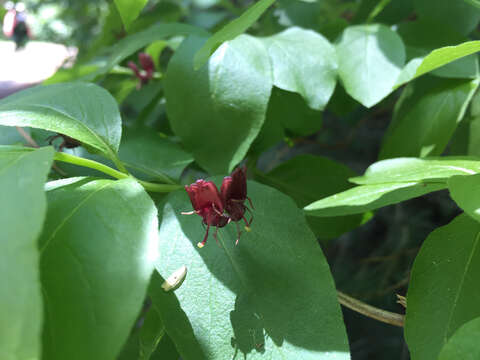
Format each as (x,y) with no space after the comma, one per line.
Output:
(371,311)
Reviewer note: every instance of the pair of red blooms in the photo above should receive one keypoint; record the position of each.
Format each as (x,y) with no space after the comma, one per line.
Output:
(219,208)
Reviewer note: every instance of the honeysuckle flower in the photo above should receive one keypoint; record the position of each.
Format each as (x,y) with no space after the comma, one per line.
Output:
(234,194)
(208,204)
(146,73)
(219,208)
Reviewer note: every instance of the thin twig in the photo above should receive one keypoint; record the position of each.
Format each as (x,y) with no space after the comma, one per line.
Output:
(34,144)
(370,311)
(27,137)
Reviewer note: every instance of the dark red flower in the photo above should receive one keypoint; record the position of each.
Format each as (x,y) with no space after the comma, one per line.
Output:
(207,203)
(147,63)
(234,194)
(146,73)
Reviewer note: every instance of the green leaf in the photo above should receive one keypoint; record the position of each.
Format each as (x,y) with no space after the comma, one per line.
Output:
(129,10)
(457,15)
(177,324)
(443,293)
(475,3)
(145,336)
(464,191)
(230,31)
(242,299)
(369,197)
(463,344)
(306,178)
(436,59)
(227,100)
(132,43)
(10,136)
(22,208)
(370,58)
(312,75)
(97,253)
(165,350)
(414,169)
(85,112)
(431,106)
(151,156)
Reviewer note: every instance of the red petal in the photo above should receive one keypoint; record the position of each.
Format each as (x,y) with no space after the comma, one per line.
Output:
(146,61)
(238,185)
(203,194)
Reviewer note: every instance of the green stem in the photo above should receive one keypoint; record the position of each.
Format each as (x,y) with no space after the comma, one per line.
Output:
(153,187)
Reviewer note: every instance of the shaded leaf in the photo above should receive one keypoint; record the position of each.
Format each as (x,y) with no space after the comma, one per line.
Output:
(129,10)
(229,95)
(438,304)
(431,106)
(22,208)
(464,343)
(10,136)
(132,43)
(230,31)
(241,299)
(458,15)
(177,324)
(97,252)
(370,58)
(147,153)
(369,197)
(85,112)
(464,191)
(306,178)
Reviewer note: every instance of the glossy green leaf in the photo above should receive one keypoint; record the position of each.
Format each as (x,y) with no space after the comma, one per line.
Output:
(97,249)
(306,178)
(464,343)
(230,31)
(132,43)
(286,111)
(312,75)
(457,15)
(369,197)
(431,106)
(129,10)
(370,58)
(243,301)
(443,293)
(227,100)
(436,59)
(415,169)
(464,191)
(151,156)
(22,212)
(82,111)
